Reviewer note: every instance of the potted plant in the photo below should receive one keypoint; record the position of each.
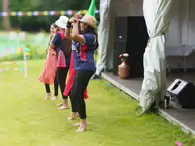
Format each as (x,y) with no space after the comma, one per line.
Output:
(124,68)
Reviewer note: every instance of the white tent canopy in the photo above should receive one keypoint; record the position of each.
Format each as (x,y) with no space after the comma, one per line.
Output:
(103,34)
(182,26)
(157,15)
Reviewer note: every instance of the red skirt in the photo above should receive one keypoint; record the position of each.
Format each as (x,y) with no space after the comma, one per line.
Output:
(49,72)
(70,82)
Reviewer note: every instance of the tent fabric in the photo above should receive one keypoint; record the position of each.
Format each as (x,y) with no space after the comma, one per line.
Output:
(180,44)
(103,34)
(181,29)
(157,15)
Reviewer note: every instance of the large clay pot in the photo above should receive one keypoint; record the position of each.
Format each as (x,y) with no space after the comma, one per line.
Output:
(124,70)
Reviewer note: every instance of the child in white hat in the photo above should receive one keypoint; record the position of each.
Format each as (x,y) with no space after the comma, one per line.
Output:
(63,46)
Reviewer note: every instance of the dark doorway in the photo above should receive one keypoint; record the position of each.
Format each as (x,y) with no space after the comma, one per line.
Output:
(131,37)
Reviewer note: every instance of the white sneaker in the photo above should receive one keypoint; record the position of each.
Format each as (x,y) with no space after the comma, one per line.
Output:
(54,98)
(47,96)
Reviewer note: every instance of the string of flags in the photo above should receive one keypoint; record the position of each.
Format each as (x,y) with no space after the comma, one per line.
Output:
(9,51)
(42,13)
(12,69)
(12,62)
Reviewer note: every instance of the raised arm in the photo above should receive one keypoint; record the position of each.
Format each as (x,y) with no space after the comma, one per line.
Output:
(75,32)
(67,31)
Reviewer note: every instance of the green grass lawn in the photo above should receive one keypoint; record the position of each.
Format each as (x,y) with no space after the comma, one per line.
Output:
(26,119)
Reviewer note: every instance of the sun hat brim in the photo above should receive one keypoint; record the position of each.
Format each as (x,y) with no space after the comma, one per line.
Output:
(94,26)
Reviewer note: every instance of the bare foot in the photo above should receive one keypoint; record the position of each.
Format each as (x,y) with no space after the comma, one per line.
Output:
(82,128)
(54,98)
(65,102)
(73,116)
(47,96)
(63,107)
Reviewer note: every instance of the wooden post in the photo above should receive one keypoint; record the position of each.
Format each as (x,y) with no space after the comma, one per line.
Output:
(6,20)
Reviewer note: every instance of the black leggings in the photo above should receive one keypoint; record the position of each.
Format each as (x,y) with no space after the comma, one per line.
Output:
(77,93)
(61,78)
(47,87)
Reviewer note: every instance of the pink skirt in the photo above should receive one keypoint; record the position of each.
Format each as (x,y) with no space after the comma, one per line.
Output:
(49,72)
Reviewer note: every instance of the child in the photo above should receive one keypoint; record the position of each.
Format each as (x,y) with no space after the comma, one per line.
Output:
(63,54)
(48,76)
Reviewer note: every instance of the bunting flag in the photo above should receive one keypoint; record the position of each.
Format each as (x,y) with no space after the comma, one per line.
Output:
(12,51)
(92,8)
(12,69)
(46,13)
(12,62)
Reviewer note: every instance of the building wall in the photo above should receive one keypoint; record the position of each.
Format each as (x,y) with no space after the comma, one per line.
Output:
(128,7)
(121,8)
(181,30)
